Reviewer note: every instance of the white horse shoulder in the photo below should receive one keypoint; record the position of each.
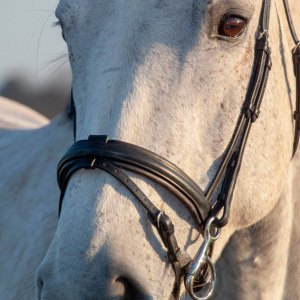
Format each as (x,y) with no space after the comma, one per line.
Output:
(29,151)
(14,115)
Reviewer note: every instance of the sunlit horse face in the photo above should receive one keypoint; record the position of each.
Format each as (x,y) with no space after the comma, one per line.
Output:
(162,75)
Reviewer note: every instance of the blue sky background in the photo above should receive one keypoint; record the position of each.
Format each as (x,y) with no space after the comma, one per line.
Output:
(30,44)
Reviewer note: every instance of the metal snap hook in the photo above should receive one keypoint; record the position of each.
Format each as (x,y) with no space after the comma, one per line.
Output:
(191,284)
(201,262)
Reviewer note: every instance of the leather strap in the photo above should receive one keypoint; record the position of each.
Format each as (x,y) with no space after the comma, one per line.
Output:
(228,171)
(290,22)
(296,62)
(68,166)
(72,114)
(139,160)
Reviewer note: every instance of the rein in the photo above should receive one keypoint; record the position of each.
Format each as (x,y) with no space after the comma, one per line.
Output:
(115,157)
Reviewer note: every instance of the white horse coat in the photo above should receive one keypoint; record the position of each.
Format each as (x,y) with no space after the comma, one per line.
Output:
(153,73)
(28,193)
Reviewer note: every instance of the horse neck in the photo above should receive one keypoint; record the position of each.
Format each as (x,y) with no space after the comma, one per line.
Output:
(36,154)
(253,254)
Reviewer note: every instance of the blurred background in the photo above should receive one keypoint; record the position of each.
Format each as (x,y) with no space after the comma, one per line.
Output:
(34,68)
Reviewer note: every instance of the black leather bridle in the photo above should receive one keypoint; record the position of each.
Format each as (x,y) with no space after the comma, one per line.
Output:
(114,157)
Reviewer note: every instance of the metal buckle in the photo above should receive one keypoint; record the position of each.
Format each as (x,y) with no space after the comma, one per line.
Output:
(263,33)
(159,217)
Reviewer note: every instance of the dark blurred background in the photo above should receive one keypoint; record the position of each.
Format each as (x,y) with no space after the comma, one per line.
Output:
(34,68)
(48,99)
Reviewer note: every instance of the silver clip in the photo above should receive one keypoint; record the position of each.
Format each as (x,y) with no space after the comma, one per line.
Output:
(202,260)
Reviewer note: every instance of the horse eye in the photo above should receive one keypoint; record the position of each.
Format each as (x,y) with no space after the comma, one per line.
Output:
(232,26)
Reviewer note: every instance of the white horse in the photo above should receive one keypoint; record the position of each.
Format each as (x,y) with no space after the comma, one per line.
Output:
(156,74)
(30,148)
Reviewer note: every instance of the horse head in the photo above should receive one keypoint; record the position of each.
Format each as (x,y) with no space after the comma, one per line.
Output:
(171,77)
